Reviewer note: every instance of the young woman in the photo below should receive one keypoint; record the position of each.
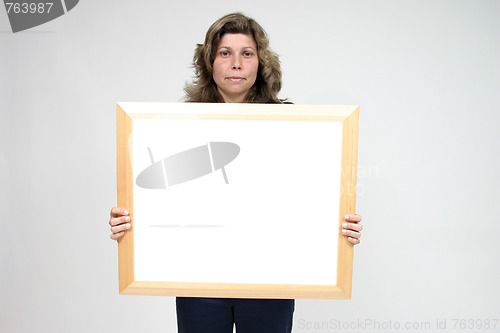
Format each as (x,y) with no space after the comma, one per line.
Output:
(234,65)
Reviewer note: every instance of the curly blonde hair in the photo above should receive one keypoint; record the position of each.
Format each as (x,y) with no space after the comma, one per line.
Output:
(268,82)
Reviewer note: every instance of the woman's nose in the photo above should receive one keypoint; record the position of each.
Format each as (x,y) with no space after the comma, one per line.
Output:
(236,64)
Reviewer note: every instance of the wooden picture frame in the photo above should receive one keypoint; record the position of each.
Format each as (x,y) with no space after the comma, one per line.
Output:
(265,224)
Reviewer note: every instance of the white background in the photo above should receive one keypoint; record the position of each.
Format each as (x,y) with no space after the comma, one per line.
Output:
(425,73)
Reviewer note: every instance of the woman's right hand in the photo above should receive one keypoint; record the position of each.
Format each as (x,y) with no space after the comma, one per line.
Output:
(119,221)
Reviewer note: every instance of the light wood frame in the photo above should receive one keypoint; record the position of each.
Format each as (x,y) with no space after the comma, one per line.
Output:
(347,116)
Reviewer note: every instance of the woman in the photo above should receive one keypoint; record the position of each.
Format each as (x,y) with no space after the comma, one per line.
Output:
(234,65)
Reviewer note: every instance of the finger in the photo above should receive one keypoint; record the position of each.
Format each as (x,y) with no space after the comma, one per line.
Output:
(353,218)
(117,236)
(114,221)
(354,241)
(120,228)
(117,211)
(351,234)
(352,226)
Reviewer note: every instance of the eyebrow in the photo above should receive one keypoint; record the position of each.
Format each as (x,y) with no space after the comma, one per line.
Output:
(230,48)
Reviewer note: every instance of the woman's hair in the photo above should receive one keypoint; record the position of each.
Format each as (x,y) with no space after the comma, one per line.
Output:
(268,82)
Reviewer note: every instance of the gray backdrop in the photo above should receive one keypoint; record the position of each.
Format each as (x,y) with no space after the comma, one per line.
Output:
(425,73)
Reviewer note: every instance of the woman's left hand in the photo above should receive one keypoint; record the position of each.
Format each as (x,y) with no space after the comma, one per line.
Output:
(352,227)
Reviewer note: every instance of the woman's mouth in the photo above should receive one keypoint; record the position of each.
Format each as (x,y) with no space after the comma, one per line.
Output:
(235,78)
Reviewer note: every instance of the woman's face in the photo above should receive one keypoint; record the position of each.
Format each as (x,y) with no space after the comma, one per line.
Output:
(235,66)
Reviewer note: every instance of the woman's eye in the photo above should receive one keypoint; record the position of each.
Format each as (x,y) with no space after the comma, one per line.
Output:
(224,53)
(248,54)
